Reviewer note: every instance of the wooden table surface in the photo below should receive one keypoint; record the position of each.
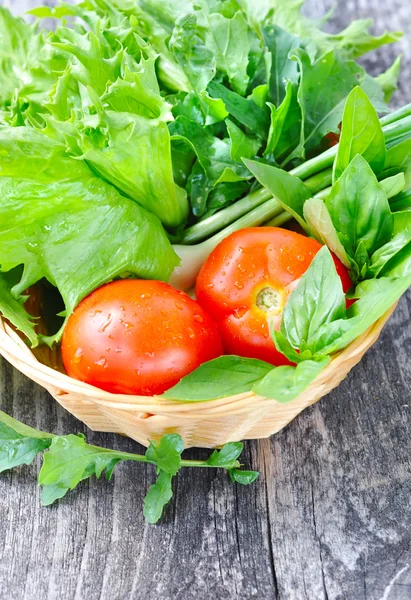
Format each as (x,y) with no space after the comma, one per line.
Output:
(329,519)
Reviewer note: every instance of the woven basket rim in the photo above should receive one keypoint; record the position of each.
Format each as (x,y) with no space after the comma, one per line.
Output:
(15,350)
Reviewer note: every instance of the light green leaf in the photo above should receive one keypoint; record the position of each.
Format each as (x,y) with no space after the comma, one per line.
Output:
(361,134)
(242,145)
(393,185)
(284,384)
(166,453)
(359,208)
(318,299)
(12,308)
(225,376)
(287,189)
(389,79)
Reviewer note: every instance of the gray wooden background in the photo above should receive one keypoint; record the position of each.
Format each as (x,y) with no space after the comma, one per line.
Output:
(329,519)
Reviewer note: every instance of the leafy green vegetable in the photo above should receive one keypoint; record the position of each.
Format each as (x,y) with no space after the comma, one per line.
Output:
(12,308)
(224,376)
(317,300)
(70,460)
(287,189)
(284,384)
(389,79)
(361,134)
(359,209)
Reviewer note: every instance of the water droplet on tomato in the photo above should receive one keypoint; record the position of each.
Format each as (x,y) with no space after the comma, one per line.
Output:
(102,362)
(223,273)
(191,333)
(150,354)
(179,306)
(210,285)
(198,318)
(78,355)
(147,295)
(240,312)
(118,350)
(241,268)
(301,257)
(290,270)
(105,324)
(239,285)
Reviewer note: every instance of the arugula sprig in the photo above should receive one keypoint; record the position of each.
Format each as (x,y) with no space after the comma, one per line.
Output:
(69,459)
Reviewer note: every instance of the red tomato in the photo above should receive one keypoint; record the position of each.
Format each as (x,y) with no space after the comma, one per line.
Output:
(138,337)
(247,280)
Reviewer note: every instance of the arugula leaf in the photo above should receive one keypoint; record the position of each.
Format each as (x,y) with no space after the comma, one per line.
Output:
(246,111)
(166,453)
(359,208)
(317,300)
(243,477)
(361,134)
(228,39)
(19,444)
(284,384)
(221,377)
(290,191)
(158,496)
(227,456)
(70,460)
(356,40)
(13,309)
(325,85)
(212,152)
(389,79)
(283,70)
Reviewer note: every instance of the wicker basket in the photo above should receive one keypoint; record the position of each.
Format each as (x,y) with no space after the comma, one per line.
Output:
(203,424)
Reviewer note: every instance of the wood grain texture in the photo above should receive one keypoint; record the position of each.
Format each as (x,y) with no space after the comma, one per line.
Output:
(329,519)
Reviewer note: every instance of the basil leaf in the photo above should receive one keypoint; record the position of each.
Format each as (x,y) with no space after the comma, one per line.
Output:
(290,191)
(322,228)
(159,494)
(219,378)
(393,185)
(317,300)
(375,298)
(284,384)
(167,453)
(226,456)
(361,134)
(359,208)
(284,346)
(386,258)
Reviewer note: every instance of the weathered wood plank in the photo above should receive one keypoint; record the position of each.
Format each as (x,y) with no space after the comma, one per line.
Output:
(329,518)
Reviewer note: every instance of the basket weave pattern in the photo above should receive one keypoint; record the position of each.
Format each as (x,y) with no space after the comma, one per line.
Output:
(202,424)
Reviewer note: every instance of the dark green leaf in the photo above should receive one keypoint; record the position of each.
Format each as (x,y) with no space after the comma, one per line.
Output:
(324,87)
(361,134)
(317,300)
(225,376)
(244,110)
(167,453)
(284,384)
(159,494)
(283,70)
(387,258)
(242,145)
(12,308)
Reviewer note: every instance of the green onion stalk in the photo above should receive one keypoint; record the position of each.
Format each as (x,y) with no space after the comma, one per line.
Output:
(260,207)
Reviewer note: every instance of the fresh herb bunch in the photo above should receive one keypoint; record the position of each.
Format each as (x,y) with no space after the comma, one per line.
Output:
(68,460)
